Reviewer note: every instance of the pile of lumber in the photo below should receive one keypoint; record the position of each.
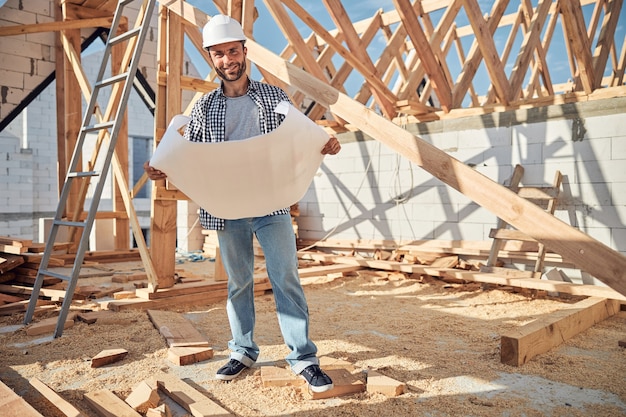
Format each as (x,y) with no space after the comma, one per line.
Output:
(20,260)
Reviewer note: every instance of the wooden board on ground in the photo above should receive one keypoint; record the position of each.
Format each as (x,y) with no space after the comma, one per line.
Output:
(519,346)
(48,325)
(189,398)
(187,355)
(12,404)
(377,382)
(370,263)
(275,376)
(59,402)
(180,289)
(108,356)
(344,383)
(107,404)
(538,284)
(176,329)
(9,261)
(144,395)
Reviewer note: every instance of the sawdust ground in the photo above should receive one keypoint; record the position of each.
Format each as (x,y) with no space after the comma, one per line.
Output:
(441,339)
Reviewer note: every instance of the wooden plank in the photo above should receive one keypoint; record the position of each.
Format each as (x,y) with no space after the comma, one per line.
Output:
(56,26)
(48,325)
(189,398)
(574,27)
(344,383)
(529,44)
(107,404)
(474,56)
(12,241)
(275,376)
(13,250)
(383,96)
(143,396)
(108,356)
(379,383)
(9,262)
(521,345)
(59,402)
(187,355)
(537,284)
(487,47)
(426,54)
(12,404)
(384,265)
(181,289)
(605,39)
(176,329)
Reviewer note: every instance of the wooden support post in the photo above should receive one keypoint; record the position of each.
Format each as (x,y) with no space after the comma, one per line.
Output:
(163,222)
(121,226)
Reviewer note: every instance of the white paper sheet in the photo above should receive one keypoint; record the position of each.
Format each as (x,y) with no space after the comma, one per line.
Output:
(245,178)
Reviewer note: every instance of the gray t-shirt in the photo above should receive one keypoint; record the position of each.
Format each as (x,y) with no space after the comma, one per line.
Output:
(242,118)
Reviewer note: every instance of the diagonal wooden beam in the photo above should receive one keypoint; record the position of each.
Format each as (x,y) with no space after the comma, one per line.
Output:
(605,40)
(357,49)
(429,59)
(488,50)
(576,33)
(351,59)
(529,44)
(474,55)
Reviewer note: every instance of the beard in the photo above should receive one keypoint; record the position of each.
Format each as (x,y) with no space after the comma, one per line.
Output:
(232,76)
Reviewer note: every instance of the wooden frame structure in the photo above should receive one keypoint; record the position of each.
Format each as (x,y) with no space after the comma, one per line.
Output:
(412,79)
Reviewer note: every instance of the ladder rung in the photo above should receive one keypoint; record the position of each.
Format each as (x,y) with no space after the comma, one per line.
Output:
(83,174)
(125,2)
(112,80)
(124,36)
(69,223)
(99,126)
(54,274)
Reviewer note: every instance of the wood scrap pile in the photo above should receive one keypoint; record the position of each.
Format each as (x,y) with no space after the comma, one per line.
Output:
(19,263)
(456,261)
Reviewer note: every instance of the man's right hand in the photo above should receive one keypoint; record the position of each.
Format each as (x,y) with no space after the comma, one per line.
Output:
(153,173)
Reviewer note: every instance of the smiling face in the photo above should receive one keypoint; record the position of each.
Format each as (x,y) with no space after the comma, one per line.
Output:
(229,60)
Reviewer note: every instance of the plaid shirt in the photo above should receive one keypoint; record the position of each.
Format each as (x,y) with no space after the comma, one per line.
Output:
(208,124)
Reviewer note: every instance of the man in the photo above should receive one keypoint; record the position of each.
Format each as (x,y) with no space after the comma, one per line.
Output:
(240,109)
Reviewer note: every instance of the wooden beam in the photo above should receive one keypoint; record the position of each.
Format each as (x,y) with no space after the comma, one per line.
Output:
(574,27)
(605,40)
(426,54)
(488,50)
(537,284)
(529,44)
(521,345)
(56,26)
(474,56)
(59,402)
(163,221)
(14,405)
(342,20)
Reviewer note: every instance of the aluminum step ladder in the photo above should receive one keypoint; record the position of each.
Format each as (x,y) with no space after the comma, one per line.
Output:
(124,81)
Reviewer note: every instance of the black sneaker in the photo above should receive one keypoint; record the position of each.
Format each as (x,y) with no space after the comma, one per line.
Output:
(230,371)
(317,379)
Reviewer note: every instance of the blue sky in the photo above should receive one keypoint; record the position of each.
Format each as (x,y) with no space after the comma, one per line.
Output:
(270,36)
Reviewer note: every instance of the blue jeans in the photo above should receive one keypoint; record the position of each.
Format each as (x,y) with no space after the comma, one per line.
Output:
(277,239)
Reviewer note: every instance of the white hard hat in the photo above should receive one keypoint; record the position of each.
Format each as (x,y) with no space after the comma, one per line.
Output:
(221,29)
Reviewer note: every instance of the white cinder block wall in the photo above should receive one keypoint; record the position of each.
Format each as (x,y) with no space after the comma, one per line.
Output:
(368,192)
